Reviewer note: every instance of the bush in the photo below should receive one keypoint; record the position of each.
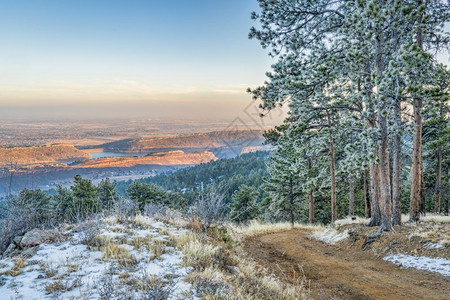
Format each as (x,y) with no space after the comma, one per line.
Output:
(210,208)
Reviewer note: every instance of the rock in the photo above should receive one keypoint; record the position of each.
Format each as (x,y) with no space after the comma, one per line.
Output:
(11,248)
(17,240)
(30,252)
(234,270)
(2,281)
(36,237)
(212,286)
(85,225)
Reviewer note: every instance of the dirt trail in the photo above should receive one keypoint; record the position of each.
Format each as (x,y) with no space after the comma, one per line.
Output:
(336,273)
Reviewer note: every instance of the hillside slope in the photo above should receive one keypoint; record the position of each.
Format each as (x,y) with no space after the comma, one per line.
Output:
(19,156)
(210,140)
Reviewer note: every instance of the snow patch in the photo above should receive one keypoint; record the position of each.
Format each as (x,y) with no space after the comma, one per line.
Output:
(329,235)
(71,262)
(431,245)
(439,265)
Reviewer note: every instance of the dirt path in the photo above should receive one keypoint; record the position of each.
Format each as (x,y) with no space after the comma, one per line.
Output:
(336,273)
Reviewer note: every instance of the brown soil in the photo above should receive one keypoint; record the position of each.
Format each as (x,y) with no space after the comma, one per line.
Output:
(341,272)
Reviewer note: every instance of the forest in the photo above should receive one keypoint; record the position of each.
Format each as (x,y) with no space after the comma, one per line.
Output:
(368,103)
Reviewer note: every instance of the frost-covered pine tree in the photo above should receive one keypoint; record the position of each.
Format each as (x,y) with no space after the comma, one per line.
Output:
(364,61)
(284,185)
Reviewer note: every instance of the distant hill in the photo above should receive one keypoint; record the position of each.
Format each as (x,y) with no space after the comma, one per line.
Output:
(233,140)
(171,158)
(20,156)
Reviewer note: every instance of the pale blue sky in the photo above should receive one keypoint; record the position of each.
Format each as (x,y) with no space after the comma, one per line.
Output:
(124,57)
(77,52)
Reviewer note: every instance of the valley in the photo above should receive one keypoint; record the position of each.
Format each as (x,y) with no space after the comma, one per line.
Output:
(46,165)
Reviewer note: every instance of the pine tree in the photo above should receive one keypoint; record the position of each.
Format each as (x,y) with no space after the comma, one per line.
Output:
(244,206)
(85,198)
(106,193)
(283,185)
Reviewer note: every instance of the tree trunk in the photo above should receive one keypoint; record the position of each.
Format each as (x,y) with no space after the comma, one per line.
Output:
(384,168)
(416,168)
(366,196)
(437,187)
(375,217)
(385,186)
(310,200)
(351,198)
(446,206)
(291,200)
(333,174)
(397,172)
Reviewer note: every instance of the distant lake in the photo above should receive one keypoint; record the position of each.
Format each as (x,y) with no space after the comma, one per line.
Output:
(108,154)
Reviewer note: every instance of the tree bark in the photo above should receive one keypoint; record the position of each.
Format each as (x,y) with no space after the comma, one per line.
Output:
(384,169)
(416,168)
(333,173)
(375,218)
(310,200)
(397,171)
(366,196)
(385,186)
(437,187)
(351,198)
(291,201)
(446,206)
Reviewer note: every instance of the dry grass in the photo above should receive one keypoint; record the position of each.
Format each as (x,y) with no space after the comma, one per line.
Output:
(139,243)
(351,220)
(16,269)
(198,255)
(256,228)
(54,287)
(233,268)
(179,241)
(120,255)
(158,248)
(143,221)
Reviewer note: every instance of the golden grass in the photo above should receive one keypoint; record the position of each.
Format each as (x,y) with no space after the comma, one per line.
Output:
(179,241)
(119,254)
(143,221)
(198,255)
(158,248)
(55,286)
(139,243)
(256,228)
(16,269)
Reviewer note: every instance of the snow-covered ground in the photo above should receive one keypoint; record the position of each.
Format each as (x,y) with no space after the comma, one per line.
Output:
(131,255)
(439,264)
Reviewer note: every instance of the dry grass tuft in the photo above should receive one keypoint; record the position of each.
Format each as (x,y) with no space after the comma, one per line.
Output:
(179,241)
(143,221)
(158,248)
(198,255)
(16,269)
(120,255)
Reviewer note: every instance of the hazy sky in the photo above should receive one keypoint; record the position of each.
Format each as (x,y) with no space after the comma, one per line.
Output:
(150,57)
(154,58)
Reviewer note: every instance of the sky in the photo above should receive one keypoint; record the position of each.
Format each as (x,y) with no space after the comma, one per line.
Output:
(107,58)
(129,58)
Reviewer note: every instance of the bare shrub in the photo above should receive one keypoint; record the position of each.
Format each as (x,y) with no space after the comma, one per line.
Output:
(209,209)
(88,231)
(154,210)
(125,209)
(106,286)
(155,288)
